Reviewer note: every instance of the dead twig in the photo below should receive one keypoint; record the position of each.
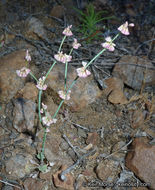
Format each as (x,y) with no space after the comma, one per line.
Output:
(74,149)
(5,182)
(142,45)
(62,175)
(117,150)
(77,125)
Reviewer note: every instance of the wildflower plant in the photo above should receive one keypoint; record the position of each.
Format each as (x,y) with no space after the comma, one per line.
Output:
(44,116)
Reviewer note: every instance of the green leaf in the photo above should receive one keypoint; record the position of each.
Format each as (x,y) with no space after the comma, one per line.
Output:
(89,19)
(42,168)
(79,11)
(40,156)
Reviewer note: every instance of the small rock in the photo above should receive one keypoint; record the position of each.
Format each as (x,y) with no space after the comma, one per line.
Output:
(33,184)
(84,92)
(35,28)
(117,97)
(134,75)
(112,84)
(24,115)
(107,170)
(141,160)
(88,147)
(114,91)
(20,165)
(82,133)
(93,138)
(68,184)
(137,119)
(10,82)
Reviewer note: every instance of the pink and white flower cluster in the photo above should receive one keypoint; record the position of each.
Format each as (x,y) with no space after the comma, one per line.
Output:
(40,84)
(28,56)
(64,58)
(44,107)
(108,44)
(82,72)
(47,120)
(63,95)
(124,28)
(23,72)
(75,44)
(67,31)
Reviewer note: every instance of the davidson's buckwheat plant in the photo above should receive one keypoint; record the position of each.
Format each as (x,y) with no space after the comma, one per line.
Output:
(44,116)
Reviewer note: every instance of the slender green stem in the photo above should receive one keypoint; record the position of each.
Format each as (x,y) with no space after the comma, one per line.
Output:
(66,65)
(49,70)
(62,101)
(43,145)
(39,104)
(62,43)
(95,57)
(66,68)
(33,77)
(71,51)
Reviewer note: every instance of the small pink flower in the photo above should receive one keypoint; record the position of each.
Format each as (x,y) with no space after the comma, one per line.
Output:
(75,44)
(62,57)
(44,106)
(47,120)
(23,72)
(27,57)
(40,84)
(68,58)
(67,31)
(124,28)
(108,44)
(47,130)
(41,110)
(63,95)
(82,72)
